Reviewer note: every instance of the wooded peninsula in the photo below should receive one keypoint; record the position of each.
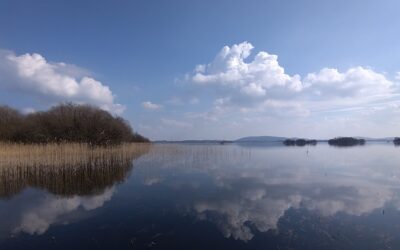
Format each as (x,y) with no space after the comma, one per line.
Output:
(69,123)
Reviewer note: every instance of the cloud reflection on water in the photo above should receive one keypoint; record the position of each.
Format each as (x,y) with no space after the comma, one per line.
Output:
(51,209)
(255,192)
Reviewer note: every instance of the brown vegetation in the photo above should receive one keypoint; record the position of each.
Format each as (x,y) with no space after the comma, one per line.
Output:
(66,154)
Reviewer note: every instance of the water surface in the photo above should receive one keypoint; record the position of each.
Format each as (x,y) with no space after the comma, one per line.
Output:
(210,197)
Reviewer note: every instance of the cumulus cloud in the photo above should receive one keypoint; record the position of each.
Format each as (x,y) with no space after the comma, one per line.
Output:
(260,84)
(151,106)
(33,74)
(357,82)
(254,78)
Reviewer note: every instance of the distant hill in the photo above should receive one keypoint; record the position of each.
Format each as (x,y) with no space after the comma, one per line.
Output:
(261,139)
(195,141)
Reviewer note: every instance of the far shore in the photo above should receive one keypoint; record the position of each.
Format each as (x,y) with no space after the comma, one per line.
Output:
(337,141)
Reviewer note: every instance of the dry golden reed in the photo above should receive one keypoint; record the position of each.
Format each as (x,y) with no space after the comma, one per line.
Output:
(67,154)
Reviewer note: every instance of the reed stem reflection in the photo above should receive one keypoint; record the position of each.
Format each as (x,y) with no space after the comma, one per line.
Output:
(65,169)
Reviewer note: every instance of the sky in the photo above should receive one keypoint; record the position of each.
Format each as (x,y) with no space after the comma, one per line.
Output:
(205,69)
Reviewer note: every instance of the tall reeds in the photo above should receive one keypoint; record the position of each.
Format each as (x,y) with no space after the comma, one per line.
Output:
(65,169)
(67,154)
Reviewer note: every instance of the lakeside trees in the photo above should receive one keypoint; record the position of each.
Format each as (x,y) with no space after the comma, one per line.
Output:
(66,123)
(299,142)
(346,141)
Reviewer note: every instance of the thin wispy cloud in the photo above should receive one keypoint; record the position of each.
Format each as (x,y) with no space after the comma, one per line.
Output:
(175,123)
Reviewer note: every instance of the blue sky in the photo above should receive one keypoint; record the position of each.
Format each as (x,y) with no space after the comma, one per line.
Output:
(189,69)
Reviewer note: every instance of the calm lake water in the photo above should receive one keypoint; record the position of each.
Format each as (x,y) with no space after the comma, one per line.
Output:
(210,197)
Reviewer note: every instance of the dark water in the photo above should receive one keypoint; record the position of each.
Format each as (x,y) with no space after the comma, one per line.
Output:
(210,197)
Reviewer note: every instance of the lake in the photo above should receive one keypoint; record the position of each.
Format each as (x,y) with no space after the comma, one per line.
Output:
(230,196)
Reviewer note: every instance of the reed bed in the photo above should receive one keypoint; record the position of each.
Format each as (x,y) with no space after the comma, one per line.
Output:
(67,154)
(65,169)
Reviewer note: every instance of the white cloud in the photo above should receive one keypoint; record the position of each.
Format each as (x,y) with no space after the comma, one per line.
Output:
(357,82)
(254,78)
(259,86)
(264,78)
(151,106)
(33,74)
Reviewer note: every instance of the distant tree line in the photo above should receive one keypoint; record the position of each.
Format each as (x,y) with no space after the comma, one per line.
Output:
(396,141)
(299,142)
(346,141)
(66,123)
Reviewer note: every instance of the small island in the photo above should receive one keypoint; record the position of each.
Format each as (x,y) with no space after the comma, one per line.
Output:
(299,142)
(346,141)
(396,141)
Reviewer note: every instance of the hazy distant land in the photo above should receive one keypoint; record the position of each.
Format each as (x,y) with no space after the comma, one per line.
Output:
(286,140)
